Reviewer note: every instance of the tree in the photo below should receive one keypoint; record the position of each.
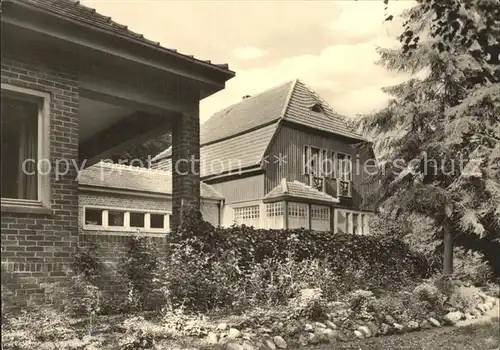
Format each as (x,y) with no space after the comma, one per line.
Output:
(438,141)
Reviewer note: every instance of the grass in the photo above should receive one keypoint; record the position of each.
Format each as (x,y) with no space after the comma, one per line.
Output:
(473,337)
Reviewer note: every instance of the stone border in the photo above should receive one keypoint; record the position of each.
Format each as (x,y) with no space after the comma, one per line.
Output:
(313,333)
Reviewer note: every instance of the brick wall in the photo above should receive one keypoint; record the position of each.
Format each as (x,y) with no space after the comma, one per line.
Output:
(37,249)
(113,244)
(186,164)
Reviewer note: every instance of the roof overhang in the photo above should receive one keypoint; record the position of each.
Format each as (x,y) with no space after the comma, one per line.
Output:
(134,193)
(86,40)
(234,174)
(290,198)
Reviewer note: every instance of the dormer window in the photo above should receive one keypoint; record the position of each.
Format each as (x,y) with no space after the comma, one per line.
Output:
(317,108)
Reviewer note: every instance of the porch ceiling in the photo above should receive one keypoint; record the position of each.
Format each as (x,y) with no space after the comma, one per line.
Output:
(96,116)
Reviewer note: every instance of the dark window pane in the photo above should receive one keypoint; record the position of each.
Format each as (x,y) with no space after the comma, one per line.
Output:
(93,216)
(19,135)
(156,220)
(115,218)
(355,218)
(136,219)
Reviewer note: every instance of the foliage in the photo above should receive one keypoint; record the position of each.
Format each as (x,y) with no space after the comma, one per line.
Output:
(471,267)
(87,295)
(309,303)
(438,139)
(137,271)
(473,25)
(47,329)
(238,267)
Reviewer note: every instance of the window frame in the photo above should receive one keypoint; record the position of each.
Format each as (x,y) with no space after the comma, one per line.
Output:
(340,174)
(43,202)
(349,214)
(126,228)
(249,212)
(275,209)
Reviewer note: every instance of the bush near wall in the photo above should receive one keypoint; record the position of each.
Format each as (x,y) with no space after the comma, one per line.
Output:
(205,268)
(239,257)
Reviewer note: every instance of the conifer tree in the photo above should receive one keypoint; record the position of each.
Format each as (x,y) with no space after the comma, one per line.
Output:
(438,140)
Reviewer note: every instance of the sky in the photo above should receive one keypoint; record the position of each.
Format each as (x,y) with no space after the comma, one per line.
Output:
(329,45)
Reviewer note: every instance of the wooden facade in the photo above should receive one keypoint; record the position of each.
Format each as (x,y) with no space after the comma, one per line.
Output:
(241,189)
(290,142)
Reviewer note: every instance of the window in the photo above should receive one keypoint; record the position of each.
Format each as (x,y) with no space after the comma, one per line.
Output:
(245,213)
(316,166)
(114,219)
(274,209)
(320,212)
(297,210)
(25,163)
(355,224)
(315,161)
(93,216)
(348,218)
(344,165)
(352,222)
(316,108)
(137,220)
(157,221)
(306,158)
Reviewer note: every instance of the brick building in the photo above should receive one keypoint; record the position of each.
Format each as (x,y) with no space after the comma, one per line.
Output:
(66,104)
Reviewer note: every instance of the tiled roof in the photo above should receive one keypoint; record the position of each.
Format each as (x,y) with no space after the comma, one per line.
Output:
(299,111)
(75,11)
(299,190)
(243,132)
(114,176)
(231,154)
(255,111)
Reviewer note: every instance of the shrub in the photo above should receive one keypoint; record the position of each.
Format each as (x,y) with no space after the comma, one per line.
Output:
(309,303)
(234,267)
(471,267)
(137,272)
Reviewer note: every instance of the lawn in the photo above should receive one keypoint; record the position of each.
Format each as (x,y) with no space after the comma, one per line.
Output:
(478,336)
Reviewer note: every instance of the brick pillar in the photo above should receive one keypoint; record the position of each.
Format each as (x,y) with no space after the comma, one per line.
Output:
(185,165)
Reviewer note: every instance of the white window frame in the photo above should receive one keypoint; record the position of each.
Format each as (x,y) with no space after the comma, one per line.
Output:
(249,212)
(274,209)
(363,221)
(42,203)
(126,220)
(298,210)
(320,212)
(343,176)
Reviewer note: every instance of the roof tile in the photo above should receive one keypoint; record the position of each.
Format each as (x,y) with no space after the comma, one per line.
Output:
(242,132)
(299,190)
(75,11)
(124,177)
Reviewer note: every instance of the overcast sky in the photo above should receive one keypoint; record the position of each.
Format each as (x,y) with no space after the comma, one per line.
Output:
(330,45)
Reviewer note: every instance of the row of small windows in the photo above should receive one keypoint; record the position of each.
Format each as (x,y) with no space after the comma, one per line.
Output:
(125,219)
(245,213)
(299,210)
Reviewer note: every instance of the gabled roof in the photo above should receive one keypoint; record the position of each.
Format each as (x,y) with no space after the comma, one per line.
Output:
(242,132)
(124,177)
(73,10)
(253,112)
(298,190)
